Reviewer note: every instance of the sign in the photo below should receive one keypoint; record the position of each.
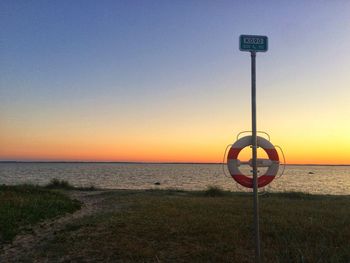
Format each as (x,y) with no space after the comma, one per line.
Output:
(253,43)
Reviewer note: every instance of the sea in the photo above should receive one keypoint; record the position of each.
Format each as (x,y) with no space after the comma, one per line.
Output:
(314,179)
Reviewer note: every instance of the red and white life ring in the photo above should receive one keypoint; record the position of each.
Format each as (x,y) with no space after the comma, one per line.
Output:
(272,163)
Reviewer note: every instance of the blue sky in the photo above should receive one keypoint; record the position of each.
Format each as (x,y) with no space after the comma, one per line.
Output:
(169,68)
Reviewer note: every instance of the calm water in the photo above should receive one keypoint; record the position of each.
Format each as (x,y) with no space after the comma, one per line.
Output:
(325,180)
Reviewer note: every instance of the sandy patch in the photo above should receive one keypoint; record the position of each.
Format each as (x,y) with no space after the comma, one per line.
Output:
(34,238)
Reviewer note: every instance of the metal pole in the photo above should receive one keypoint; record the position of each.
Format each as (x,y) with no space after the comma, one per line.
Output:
(255,172)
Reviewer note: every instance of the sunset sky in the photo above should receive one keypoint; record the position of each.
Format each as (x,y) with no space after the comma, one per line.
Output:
(164,81)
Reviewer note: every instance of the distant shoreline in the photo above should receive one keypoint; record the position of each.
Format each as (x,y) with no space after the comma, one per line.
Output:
(116,162)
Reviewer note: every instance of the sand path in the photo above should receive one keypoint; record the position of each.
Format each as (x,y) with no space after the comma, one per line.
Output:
(35,238)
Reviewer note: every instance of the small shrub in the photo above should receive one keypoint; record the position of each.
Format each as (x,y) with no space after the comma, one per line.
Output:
(59,184)
(62,184)
(86,188)
(214,191)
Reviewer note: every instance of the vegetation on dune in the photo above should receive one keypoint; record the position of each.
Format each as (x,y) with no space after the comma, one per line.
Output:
(63,184)
(171,226)
(24,205)
(179,226)
(59,184)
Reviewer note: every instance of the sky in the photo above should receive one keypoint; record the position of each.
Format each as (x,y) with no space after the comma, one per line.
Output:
(165,81)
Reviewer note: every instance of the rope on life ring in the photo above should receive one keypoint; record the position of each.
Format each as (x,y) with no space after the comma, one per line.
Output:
(272,163)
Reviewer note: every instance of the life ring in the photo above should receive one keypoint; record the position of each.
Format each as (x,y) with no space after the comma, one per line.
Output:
(272,163)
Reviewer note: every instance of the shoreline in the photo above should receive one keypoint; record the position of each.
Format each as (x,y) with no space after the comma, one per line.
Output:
(116,162)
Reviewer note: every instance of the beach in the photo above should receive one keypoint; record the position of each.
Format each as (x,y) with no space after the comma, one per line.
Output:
(182,226)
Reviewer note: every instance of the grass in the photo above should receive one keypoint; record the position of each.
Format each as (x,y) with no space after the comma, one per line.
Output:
(178,226)
(63,184)
(214,191)
(24,205)
(59,184)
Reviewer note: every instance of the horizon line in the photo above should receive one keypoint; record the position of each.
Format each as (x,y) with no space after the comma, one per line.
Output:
(146,162)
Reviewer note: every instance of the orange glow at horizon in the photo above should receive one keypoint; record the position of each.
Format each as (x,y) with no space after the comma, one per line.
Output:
(186,138)
(162,151)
